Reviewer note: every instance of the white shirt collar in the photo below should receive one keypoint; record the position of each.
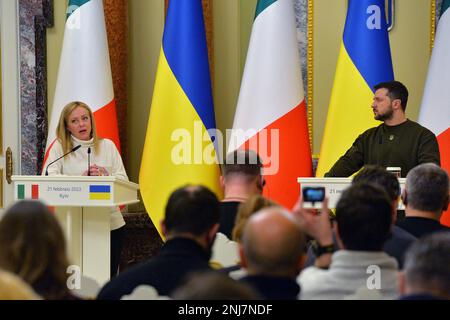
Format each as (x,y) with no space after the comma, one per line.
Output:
(84,143)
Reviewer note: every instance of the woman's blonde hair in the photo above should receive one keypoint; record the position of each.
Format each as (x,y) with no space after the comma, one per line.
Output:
(63,134)
(246,210)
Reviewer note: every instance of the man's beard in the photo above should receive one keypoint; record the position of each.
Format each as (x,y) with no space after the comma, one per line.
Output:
(385,116)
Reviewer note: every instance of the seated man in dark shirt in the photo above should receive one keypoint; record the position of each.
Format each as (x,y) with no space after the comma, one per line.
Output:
(190,225)
(425,198)
(241,178)
(397,142)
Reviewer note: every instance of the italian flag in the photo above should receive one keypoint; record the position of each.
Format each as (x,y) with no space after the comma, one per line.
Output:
(85,71)
(27,191)
(435,110)
(271,111)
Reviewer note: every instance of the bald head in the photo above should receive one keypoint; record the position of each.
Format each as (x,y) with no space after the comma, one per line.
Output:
(273,243)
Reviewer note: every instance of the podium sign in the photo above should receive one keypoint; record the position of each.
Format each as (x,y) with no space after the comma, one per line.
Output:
(334,188)
(77,191)
(83,206)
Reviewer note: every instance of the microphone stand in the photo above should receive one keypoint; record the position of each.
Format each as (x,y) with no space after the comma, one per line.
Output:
(89,161)
(73,150)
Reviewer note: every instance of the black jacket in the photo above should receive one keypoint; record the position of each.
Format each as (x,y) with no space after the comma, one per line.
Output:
(274,288)
(420,227)
(164,272)
(228,213)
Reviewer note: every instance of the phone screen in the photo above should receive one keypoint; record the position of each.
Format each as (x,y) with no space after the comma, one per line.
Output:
(311,194)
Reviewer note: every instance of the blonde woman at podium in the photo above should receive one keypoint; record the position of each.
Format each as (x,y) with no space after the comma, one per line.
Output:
(87,155)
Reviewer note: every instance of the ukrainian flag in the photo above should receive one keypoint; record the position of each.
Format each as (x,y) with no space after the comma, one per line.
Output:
(178,147)
(364,61)
(99,192)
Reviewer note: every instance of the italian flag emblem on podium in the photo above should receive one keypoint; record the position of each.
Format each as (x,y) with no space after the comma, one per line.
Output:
(27,191)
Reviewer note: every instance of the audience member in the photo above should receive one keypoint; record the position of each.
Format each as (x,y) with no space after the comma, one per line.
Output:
(426,196)
(363,222)
(190,225)
(241,178)
(214,286)
(32,246)
(273,253)
(246,210)
(399,239)
(426,275)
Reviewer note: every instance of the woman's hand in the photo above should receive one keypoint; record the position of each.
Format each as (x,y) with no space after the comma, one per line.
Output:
(95,170)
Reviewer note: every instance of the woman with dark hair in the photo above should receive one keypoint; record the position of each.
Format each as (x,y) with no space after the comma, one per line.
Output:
(32,246)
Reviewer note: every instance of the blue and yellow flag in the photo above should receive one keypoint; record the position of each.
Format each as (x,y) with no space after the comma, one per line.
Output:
(364,61)
(178,146)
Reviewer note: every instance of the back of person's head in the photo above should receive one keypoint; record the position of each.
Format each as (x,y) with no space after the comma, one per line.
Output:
(245,165)
(191,209)
(364,217)
(246,210)
(273,244)
(213,285)
(396,90)
(427,188)
(13,288)
(427,266)
(381,177)
(32,246)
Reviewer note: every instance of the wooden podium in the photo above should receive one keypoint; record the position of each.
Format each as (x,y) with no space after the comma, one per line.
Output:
(83,206)
(334,188)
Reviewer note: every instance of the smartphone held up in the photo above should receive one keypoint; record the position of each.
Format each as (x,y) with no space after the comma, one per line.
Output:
(313,197)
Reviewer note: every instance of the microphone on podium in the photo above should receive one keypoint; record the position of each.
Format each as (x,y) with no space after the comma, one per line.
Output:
(73,150)
(89,161)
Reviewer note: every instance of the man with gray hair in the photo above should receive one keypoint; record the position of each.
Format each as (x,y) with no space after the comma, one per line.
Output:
(426,196)
(426,274)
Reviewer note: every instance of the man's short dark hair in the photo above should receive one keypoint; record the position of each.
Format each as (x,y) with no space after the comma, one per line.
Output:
(427,264)
(242,162)
(192,209)
(364,217)
(427,188)
(396,90)
(381,177)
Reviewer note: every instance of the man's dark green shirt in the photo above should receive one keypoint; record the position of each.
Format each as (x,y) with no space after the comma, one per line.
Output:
(405,145)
